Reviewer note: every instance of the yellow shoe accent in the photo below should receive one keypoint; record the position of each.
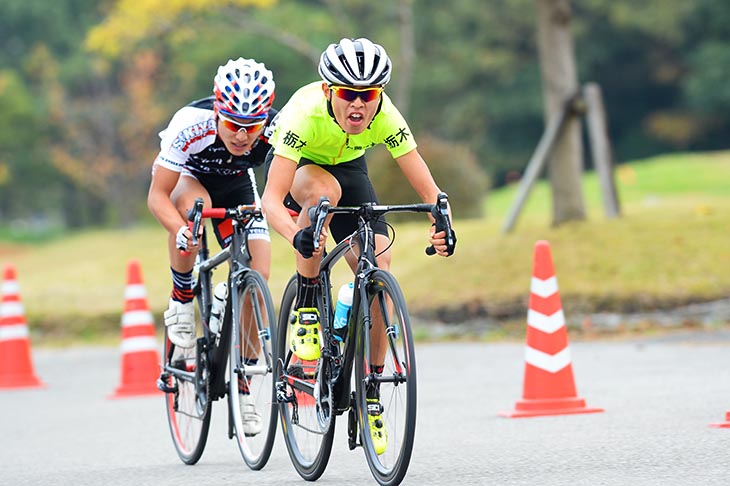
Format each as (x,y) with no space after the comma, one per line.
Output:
(377,427)
(304,332)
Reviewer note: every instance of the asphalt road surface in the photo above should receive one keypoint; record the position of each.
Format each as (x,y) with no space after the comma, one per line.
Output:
(659,396)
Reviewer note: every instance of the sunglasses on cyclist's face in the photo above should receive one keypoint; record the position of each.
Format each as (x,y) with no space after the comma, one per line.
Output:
(250,126)
(351,94)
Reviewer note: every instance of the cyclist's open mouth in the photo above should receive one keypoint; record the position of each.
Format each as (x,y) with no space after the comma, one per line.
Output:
(355,119)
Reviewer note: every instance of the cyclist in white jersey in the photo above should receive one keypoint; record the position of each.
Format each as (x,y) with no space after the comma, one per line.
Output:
(209,150)
(318,146)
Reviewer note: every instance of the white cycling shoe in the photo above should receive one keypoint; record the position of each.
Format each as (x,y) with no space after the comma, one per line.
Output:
(180,322)
(252,420)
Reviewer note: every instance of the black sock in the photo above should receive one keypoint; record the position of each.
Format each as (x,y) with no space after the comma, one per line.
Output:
(373,389)
(306,291)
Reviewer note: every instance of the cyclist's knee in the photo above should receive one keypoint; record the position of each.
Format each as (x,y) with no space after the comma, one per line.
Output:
(313,184)
(384,255)
(260,256)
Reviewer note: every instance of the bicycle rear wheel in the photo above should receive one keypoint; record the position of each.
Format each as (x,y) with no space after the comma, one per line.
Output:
(395,387)
(309,443)
(251,366)
(189,406)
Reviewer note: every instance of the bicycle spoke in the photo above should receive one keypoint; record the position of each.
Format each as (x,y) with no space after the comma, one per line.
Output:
(308,442)
(251,398)
(188,417)
(393,389)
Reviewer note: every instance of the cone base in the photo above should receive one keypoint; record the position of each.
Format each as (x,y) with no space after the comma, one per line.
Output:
(549,406)
(12,382)
(722,425)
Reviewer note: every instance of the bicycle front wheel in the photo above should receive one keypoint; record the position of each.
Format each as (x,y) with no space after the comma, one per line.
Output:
(386,399)
(251,366)
(308,442)
(188,406)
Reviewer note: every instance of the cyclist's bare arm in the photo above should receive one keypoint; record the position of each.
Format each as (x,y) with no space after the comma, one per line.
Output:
(278,183)
(416,171)
(159,202)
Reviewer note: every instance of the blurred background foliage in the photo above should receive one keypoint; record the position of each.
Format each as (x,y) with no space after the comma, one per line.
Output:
(86,85)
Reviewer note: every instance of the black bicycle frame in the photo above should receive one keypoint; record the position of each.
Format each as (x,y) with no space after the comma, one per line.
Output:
(211,349)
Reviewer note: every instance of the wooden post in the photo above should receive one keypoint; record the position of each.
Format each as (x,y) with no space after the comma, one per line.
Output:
(536,164)
(601,148)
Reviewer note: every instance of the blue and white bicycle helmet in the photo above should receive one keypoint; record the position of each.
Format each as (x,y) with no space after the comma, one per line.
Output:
(244,88)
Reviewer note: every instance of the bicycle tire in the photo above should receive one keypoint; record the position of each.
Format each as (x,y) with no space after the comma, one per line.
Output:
(309,449)
(397,384)
(189,408)
(256,326)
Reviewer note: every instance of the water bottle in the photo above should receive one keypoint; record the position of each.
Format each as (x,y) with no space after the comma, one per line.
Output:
(218,308)
(342,311)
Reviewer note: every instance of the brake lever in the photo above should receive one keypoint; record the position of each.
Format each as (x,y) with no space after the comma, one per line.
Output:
(195,217)
(440,213)
(317,215)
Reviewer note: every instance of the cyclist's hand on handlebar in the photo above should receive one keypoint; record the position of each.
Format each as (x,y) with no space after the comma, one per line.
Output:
(304,242)
(183,239)
(443,237)
(438,242)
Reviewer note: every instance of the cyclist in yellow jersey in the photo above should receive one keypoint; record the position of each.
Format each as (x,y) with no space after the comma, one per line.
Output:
(318,146)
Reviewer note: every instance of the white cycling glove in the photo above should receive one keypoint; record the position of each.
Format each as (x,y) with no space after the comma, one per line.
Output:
(181,241)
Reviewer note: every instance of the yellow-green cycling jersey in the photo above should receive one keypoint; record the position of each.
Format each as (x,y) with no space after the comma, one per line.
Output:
(306,129)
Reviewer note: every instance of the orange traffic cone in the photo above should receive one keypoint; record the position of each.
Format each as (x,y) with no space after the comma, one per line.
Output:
(723,425)
(140,359)
(16,368)
(549,388)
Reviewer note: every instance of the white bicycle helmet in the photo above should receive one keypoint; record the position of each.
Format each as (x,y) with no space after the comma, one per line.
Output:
(244,88)
(357,62)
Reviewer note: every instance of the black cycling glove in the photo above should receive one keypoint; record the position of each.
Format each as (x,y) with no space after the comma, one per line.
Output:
(304,242)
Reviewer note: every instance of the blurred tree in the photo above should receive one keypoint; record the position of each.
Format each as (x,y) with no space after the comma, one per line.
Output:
(454,166)
(56,29)
(25,173)
(560,85)
(462,73)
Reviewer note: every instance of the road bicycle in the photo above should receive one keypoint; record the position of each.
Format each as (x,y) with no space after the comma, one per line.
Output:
(236,361)
(311,394)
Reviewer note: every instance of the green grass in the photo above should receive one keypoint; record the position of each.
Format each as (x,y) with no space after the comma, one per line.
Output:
(671,246)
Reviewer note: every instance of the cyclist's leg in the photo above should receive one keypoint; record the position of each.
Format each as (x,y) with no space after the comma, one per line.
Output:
(377,332)
(179,317)
(260,249)
(310,183)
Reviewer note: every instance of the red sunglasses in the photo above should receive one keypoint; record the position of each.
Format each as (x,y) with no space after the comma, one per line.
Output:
(351,94)
(235,126)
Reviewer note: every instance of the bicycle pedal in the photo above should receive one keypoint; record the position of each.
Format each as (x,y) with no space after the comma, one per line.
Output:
(163,386)
(281,394)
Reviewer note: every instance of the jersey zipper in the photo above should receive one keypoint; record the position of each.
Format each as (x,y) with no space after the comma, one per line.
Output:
(347,139)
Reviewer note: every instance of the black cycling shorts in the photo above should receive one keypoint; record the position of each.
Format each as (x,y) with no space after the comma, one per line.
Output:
(356,189)
(228,192)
